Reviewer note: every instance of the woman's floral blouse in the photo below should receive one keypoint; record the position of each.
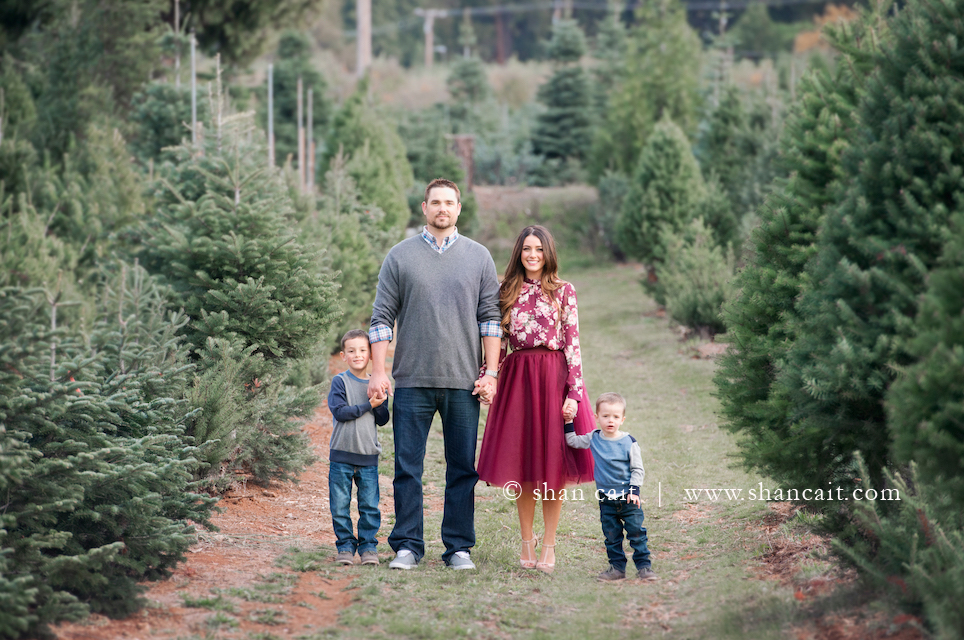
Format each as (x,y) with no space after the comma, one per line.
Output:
(535,322)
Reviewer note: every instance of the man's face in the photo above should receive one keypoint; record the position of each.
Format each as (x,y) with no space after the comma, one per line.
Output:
(442,208)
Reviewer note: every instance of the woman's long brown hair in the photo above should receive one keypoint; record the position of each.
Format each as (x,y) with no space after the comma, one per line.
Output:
(515,272)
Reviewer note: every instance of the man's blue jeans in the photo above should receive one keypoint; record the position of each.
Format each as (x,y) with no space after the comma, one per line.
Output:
(412,414)
(340,478)
(615,516)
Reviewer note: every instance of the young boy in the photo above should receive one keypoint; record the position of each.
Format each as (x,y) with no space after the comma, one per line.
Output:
(354,452)
(618,467)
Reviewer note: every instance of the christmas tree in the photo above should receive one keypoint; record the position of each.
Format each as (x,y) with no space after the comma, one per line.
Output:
(760,319)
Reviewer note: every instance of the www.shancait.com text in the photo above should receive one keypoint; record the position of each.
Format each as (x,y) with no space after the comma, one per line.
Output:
(778,495)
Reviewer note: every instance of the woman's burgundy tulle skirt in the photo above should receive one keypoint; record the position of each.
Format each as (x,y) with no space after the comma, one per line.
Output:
(524,438)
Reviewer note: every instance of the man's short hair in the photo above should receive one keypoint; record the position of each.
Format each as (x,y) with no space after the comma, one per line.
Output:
(351,335)
(442,182)
(611,397)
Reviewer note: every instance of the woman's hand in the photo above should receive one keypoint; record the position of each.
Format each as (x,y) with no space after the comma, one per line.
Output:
(569,408)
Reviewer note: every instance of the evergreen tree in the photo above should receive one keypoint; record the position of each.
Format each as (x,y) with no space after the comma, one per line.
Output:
(760,317)
(563,131)
(98,494)
(926,404)
(666,193)
(355,244)
(89,59)
(661,80)
(874,251)
(472,101)
(161,115)
(610,54)
(376,158)
(221,238)
(294,61)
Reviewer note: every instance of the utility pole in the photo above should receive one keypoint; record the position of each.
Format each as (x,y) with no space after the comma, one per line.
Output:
(429,28)
(363,15)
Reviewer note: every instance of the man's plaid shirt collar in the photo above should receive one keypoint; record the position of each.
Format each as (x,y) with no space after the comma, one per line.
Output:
(432,242)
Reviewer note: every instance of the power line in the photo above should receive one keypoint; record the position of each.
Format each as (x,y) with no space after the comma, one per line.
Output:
(691,6)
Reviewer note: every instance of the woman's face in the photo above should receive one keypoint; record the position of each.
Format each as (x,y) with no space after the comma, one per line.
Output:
(533,259)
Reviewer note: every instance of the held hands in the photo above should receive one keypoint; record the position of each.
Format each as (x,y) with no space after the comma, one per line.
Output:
(485,388)
(569,408)
(378,385)
(378,400)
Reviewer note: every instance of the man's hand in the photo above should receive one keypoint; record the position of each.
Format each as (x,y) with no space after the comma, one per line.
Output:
(632,498)
(379,385)
(485,388)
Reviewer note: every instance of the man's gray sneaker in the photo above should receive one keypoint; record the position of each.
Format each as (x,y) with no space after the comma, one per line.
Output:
(646,574)
(369,557)
(461,560)
(612,573)
(404,560)
(345,557)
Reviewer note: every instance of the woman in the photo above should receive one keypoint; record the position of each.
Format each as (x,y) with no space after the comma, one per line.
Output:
(540,388)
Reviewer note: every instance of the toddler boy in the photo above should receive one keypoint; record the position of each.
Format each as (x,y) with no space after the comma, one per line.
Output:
(354,452)
(618,468)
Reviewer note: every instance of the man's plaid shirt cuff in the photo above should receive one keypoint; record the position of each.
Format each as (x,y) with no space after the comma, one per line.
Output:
(490,329)
(379,333)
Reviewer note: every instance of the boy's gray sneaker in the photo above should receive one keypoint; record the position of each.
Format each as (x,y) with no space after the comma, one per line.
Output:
(461,560)
(646,574)
(345,557)
(369,557)
(404,560)
(612,573)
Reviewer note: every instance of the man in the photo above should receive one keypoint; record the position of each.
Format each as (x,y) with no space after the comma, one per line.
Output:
(442,291)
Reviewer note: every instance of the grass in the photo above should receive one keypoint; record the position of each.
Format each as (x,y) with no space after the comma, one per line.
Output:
(702,551)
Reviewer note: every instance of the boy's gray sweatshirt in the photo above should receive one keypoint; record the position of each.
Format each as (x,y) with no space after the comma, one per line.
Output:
(354,439)
(438,301)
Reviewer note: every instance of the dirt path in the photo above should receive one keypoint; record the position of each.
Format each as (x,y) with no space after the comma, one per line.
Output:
(258,598)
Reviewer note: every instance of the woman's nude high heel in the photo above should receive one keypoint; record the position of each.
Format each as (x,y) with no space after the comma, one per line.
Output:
(529,551)
(547,567)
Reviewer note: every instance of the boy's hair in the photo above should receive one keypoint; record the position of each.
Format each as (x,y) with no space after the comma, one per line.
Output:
(611,398)
(442,182)
(351,335)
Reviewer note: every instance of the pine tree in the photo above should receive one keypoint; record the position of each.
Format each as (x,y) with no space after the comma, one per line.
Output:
(376,158)
(760,318)
(99,492)
(161,114)
(610,54)
(666,192)
(563,131)
(222,239)
(926,404)
(472,101)
(355,244)
(661,80)
(874,251)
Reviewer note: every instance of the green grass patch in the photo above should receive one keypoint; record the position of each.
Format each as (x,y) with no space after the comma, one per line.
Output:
(218,603)
(305,559)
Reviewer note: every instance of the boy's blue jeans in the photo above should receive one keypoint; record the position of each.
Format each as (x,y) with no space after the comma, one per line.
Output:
(412,412)
(619,515)
(340,478)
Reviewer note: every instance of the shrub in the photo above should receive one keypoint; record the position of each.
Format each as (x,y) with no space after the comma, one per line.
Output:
(696,279)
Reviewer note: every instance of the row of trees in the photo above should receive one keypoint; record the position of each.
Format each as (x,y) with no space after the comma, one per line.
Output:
(847,345)
(167,309)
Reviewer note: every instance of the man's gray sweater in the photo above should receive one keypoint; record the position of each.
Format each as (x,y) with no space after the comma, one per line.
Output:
(438,301)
